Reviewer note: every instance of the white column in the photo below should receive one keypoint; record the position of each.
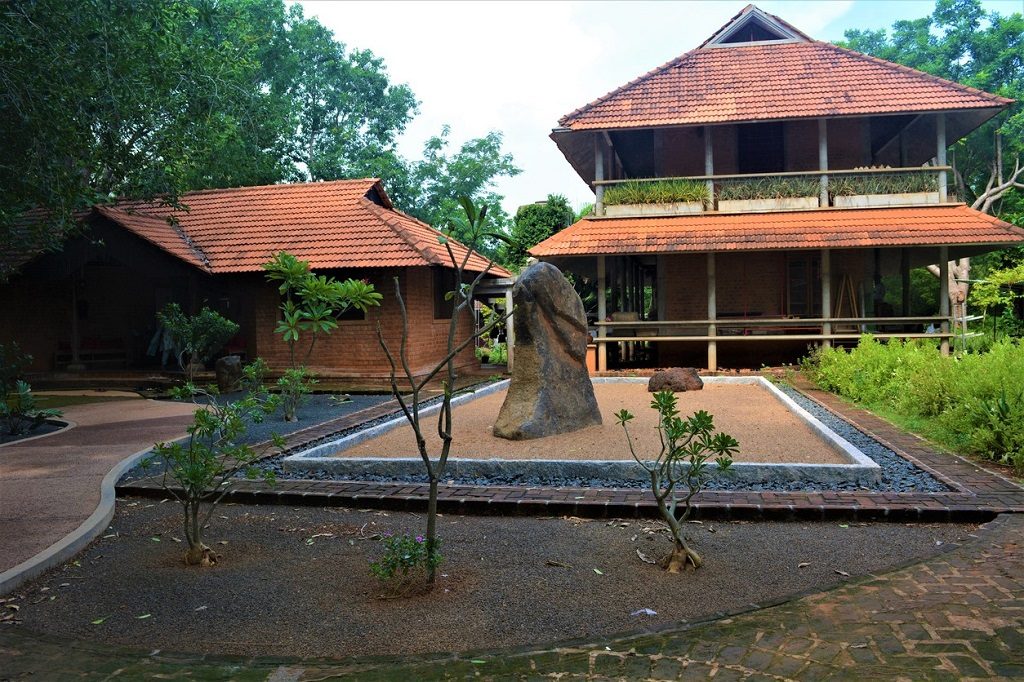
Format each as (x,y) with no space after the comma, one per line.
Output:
(602,314)
(712,315)
(510,329)
(598,175)
(823,159)
(826,295)
(709,165)
(940,152)
(944,296)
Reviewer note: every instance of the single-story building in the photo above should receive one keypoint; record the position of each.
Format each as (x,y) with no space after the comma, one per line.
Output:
(94,303)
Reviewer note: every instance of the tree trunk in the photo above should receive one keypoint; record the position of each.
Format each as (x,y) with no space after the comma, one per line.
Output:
(197,553)
(432,534)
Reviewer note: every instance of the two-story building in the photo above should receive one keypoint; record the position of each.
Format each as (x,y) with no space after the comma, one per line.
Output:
(766,191)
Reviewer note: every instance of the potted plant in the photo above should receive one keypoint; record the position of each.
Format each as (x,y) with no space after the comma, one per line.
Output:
(883,189)
(768,194)
(661,197)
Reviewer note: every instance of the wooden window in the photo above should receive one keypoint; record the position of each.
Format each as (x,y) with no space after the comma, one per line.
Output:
(444,282)
(803,285)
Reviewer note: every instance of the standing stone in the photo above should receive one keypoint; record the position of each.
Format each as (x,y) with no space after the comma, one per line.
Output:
(550,390)
(229,373)
(675,379)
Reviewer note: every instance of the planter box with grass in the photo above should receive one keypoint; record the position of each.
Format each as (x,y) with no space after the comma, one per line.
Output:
(672,208)
(664,197)
(768,194)
(896,189)
(761,205)
(901,199)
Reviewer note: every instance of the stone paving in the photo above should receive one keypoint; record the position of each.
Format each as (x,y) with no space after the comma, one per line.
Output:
(956,616)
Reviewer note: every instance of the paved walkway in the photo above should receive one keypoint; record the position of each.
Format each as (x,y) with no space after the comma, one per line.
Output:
(957,616)
(50,485)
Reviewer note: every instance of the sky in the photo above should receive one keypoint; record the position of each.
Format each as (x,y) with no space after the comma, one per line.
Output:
(517,67)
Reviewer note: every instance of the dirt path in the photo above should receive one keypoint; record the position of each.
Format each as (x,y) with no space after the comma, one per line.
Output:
(50,485)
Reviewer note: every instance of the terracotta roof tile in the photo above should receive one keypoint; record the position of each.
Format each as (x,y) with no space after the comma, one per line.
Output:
(954,224)
(330,224)
(770,81)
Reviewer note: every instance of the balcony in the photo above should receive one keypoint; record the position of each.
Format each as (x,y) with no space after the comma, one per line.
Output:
(695,195)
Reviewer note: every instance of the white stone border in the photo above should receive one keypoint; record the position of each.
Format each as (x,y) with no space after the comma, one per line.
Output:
(858,468)
(75,541)
(68,425)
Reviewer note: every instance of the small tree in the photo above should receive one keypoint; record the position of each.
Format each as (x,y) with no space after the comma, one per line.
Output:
(534,223)
(196,471)
(474,230)
(687,445)
(310,308)
(196,337)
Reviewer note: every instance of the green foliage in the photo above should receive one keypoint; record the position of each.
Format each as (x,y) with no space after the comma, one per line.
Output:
(295,383)
(495,353)
(533,224)
(12,365)
(963,42)
(687,448)
(768,188)
(139,99)
(196,471)
(196,336)
(19,412)
(882,183)
(1000,288)
(311,304)
(971,403)
(656,192)
(253,377)
(404,554)
(426,188)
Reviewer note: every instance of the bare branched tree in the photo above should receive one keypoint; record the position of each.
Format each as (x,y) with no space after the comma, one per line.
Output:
(411,403)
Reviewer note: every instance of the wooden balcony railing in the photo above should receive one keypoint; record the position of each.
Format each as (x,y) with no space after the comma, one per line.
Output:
(787,191)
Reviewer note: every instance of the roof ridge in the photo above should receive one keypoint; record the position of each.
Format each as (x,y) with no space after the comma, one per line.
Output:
(915,72)
(339,181)
(112,213)
(416,244)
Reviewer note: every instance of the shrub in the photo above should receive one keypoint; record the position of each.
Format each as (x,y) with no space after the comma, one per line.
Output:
(12,365)
(293,385)
(19,413)
(196,336)
(972,403)
(196,471)
(404,555)
(656,192)
(687,446)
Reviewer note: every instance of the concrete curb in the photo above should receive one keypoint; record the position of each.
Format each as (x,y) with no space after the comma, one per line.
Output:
(68,425)
(75,541)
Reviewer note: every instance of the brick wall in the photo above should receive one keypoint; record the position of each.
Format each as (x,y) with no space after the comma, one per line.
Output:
(353,350)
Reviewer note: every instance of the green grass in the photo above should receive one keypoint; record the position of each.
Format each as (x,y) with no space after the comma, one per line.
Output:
(882,183)
(768,188)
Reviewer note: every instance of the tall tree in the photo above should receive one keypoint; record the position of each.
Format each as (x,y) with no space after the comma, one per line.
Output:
(963,42)
(345,111)
(534,223)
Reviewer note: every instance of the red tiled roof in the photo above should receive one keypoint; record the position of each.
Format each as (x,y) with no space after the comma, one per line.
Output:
(771,81)
(330,224)
(953,224)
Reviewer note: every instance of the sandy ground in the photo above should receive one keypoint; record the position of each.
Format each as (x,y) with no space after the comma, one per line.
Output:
(296,581)
(766,430)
